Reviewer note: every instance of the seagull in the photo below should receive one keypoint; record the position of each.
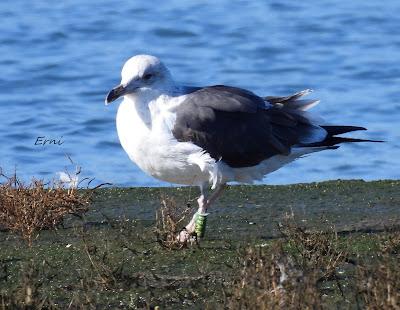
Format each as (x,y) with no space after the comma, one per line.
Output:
(210,136)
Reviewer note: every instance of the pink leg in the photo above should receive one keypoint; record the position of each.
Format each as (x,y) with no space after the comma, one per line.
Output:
(204,203)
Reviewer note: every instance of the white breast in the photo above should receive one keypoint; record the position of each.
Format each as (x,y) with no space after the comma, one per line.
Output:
(149,143)
(132,131)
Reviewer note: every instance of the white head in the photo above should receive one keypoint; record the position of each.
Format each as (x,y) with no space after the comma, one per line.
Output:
(142,74)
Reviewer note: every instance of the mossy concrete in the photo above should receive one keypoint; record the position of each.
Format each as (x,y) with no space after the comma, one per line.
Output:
(111,256)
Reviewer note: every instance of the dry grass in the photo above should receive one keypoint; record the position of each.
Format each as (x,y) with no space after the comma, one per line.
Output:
(110,270)
(378,281)
(170,219)
(319,250)
(390,244)
(270,279)
(28,209)
(379,285)
(291,272)
(29,293)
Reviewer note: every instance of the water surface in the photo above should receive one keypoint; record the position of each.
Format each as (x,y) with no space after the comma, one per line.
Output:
(58,60)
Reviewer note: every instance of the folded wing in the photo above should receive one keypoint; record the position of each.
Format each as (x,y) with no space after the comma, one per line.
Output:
(242,129)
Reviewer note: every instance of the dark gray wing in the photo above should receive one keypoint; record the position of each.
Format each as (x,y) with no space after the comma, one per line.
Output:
(226,98)
(240,128)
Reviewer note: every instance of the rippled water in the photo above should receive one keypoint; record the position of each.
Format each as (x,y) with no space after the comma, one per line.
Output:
(58,60)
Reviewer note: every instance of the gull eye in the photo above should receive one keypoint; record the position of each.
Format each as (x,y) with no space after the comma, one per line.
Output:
(147,77)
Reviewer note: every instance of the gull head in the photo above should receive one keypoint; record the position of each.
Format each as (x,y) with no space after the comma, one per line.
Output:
(142,74)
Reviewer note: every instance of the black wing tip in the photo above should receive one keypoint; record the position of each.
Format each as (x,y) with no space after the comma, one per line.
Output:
(360,128)
(331,142)
(350,140)
(354,128)
(344,139)
(379,141)
(334,130)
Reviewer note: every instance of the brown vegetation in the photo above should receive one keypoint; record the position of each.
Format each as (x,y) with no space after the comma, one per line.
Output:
(292,272)
(379,285)
(378,281)
(269,279)
(28,209)
(170,219)
(288,274)
(317,250)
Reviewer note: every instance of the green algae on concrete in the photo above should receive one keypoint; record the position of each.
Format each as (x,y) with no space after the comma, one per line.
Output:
(111,257)
(253,211)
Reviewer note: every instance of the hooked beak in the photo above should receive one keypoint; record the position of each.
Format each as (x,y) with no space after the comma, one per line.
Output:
(115,93)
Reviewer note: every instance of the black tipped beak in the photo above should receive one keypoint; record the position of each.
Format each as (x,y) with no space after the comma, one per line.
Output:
(115,93)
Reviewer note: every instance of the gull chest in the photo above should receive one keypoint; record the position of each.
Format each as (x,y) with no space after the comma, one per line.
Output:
(152,147)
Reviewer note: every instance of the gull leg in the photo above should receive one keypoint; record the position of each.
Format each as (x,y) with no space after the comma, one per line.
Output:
(188,231)
(204,202)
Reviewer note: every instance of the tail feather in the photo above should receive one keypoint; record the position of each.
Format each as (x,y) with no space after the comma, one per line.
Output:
(332,140)
(298,106)
(293,101)
(285,99)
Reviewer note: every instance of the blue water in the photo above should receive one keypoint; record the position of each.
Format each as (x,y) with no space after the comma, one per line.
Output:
(58,60)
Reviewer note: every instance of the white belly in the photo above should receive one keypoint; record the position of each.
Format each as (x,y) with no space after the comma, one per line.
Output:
(155,150)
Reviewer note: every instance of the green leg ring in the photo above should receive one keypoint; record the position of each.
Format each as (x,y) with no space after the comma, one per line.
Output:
(200,224)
